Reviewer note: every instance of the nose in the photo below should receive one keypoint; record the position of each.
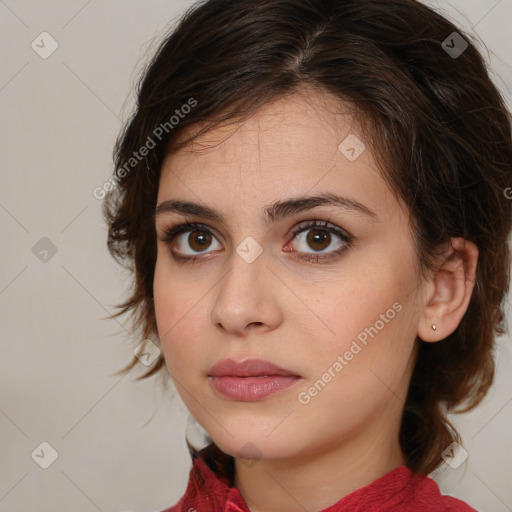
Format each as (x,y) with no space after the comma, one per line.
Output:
(247,297)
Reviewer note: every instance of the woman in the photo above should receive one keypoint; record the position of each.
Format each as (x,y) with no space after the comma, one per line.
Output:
(311,195)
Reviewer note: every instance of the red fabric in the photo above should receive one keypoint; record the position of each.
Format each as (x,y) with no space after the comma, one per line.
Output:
(210,490)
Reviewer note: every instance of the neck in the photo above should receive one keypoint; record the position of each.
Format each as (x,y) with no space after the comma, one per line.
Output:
(317,479)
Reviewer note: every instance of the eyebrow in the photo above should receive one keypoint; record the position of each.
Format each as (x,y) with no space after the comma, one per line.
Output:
(272,212)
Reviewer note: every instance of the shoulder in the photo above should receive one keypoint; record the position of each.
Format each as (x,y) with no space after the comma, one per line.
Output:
(427,496)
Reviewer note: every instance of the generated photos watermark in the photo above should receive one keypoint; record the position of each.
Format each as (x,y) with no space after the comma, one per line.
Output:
(304,397)
(150,143)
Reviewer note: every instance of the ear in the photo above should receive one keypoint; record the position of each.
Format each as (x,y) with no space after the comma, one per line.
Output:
(449,291)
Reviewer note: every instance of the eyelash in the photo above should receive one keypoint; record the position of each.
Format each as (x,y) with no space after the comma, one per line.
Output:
(171,233)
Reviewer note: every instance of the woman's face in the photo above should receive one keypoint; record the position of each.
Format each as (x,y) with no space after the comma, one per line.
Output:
(337,305)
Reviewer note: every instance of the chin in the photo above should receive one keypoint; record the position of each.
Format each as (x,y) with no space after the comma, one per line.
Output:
(251,446)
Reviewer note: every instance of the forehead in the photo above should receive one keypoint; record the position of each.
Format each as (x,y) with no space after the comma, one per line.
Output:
(289,146)
(297,132)
(304,123)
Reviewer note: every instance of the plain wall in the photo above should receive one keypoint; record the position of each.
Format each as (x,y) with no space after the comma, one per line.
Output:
(60,116)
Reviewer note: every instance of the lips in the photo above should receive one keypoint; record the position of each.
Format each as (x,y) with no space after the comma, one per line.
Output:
(250,380)
(248,368)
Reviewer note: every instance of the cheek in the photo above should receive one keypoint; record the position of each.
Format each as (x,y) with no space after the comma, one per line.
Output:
(346,306)
(164,300)
(366,318)
(174,295)
(176,317)
(364,365)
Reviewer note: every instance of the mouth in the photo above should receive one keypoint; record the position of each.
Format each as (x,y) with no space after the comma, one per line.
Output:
(249,368)
(250,380)
(249,389)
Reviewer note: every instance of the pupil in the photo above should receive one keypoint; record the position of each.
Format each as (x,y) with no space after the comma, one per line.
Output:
(198,241)
(318,236)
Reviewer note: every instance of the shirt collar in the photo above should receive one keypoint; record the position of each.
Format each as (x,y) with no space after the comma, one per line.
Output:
(211,485)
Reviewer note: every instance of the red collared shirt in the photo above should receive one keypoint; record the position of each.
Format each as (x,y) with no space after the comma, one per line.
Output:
(210,489)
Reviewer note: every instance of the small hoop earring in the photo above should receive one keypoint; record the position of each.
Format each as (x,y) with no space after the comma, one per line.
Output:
(434,327)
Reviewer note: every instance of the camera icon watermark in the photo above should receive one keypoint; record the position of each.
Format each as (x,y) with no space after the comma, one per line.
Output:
(454,45)
(44,250)
(249,249)
(146,352)
(455,455)
(45,455)
(352,147)
(44,45)
(249,455)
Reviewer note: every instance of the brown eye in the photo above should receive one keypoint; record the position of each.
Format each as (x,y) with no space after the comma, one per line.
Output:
(199,240)
(318,239)
(189,240)
(186,241)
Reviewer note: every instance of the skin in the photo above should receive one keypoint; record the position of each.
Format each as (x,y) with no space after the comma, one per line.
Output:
(298,314)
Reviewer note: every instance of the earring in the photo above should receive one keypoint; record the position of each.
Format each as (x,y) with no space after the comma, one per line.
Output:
(434,327)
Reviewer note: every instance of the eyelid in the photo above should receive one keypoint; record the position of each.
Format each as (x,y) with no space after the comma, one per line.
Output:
(324,224)
(171,232)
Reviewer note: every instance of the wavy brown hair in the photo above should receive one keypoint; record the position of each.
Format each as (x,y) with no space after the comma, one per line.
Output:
(439,126)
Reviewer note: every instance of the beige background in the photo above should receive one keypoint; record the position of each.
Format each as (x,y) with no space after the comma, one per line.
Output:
(60,116)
